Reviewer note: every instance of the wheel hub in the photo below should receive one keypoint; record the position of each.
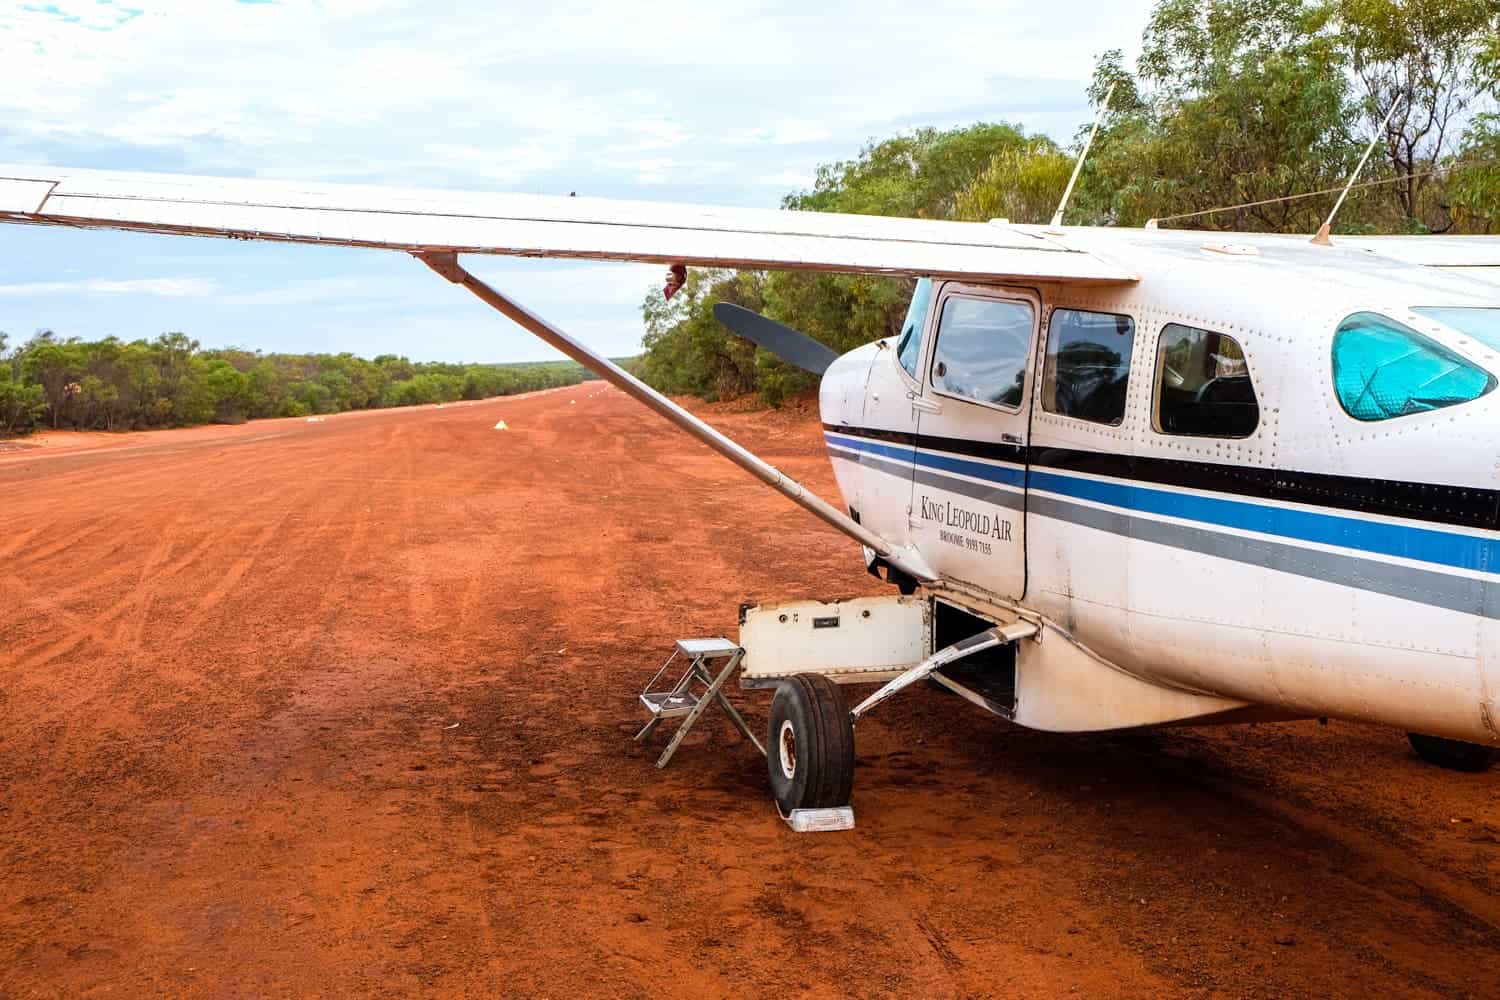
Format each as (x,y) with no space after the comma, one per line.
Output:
(787,745)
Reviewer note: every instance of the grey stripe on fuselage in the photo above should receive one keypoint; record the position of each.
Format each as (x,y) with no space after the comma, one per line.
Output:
(1000,496)
(1442,590)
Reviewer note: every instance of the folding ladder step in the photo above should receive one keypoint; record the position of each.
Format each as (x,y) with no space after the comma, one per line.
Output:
(709,649)
(680,701)
(669,704)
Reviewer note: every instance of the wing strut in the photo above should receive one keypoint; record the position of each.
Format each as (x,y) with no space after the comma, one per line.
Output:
(447,265)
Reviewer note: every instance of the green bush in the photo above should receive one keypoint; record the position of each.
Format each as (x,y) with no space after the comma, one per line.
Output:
(172,382)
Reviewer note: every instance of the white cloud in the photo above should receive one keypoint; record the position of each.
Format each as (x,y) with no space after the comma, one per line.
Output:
(579,284)
(506,94)
(169,288)
(792,132)
(733,103)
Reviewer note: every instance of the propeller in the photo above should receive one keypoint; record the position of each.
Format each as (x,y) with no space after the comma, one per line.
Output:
(792,346)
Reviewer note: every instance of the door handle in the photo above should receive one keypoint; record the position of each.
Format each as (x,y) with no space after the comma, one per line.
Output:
(924,404)
(1010,439)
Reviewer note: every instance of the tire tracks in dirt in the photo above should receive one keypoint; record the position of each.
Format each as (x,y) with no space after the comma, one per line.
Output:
(262,780)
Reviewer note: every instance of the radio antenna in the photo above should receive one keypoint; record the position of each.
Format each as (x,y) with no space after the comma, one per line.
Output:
(1323,238)
(1057,216)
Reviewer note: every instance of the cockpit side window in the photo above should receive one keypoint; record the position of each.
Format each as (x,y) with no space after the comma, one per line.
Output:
(1383,370)
(982,349)
(1203,386)
(1087,367)
(909,346)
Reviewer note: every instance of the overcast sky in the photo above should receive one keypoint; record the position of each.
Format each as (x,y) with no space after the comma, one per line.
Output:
(724,103)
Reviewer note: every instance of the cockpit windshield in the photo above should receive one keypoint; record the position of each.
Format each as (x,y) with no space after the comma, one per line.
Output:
(1479,322)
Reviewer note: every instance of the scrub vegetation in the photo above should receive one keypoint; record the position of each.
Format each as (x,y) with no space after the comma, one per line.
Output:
(1230,102)
(171,382)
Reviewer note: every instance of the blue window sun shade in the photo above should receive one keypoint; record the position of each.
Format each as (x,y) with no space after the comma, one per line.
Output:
(1382,370)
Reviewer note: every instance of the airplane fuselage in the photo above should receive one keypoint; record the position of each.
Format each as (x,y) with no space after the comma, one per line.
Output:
(1229,480)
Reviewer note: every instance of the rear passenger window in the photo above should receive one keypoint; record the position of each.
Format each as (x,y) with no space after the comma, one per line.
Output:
(1088,365)
(981,350)
(1203,386)
(1382,369)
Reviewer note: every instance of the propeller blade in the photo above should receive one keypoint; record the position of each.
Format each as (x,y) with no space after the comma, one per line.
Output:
(792,346)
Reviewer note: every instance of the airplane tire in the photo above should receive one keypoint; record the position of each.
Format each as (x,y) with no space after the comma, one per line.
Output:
(810,745)
(1455,755)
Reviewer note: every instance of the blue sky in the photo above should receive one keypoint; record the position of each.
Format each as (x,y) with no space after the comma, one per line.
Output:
(725,103)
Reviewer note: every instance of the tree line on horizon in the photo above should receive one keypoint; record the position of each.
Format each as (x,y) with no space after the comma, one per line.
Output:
(1231,102)
(171,381)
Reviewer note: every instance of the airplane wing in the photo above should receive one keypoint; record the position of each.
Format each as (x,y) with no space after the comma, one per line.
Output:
(1477,257)
(1431,251)
(540,226)
(437,226)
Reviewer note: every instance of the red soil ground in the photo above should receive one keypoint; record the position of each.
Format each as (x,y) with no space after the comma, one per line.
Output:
(345,708)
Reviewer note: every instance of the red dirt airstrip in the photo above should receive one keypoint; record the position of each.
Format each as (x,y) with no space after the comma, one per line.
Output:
(344,708)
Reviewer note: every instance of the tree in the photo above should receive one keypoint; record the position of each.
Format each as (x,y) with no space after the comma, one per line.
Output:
(687,349)
(1474,191)
(225,392)
(172,381)
(21,405)
(264,390)
(1429,60)
(1190,47)
(1234,102)
(915,175)
(56,366)
(1022,185)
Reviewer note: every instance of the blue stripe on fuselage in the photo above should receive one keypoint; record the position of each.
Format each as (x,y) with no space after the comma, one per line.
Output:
(1005,475)
(1403,541)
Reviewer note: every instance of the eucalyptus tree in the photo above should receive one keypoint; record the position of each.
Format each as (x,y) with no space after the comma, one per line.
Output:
(1426,64)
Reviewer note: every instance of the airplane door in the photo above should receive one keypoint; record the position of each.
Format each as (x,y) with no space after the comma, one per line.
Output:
(969,481)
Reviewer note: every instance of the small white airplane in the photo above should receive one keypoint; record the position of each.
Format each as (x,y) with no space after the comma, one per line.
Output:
(1141,477)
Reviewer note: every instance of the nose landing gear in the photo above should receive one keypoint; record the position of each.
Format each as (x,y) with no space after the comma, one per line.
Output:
(810,748)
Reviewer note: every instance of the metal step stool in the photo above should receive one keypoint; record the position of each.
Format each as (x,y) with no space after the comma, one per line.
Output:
(680,701)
